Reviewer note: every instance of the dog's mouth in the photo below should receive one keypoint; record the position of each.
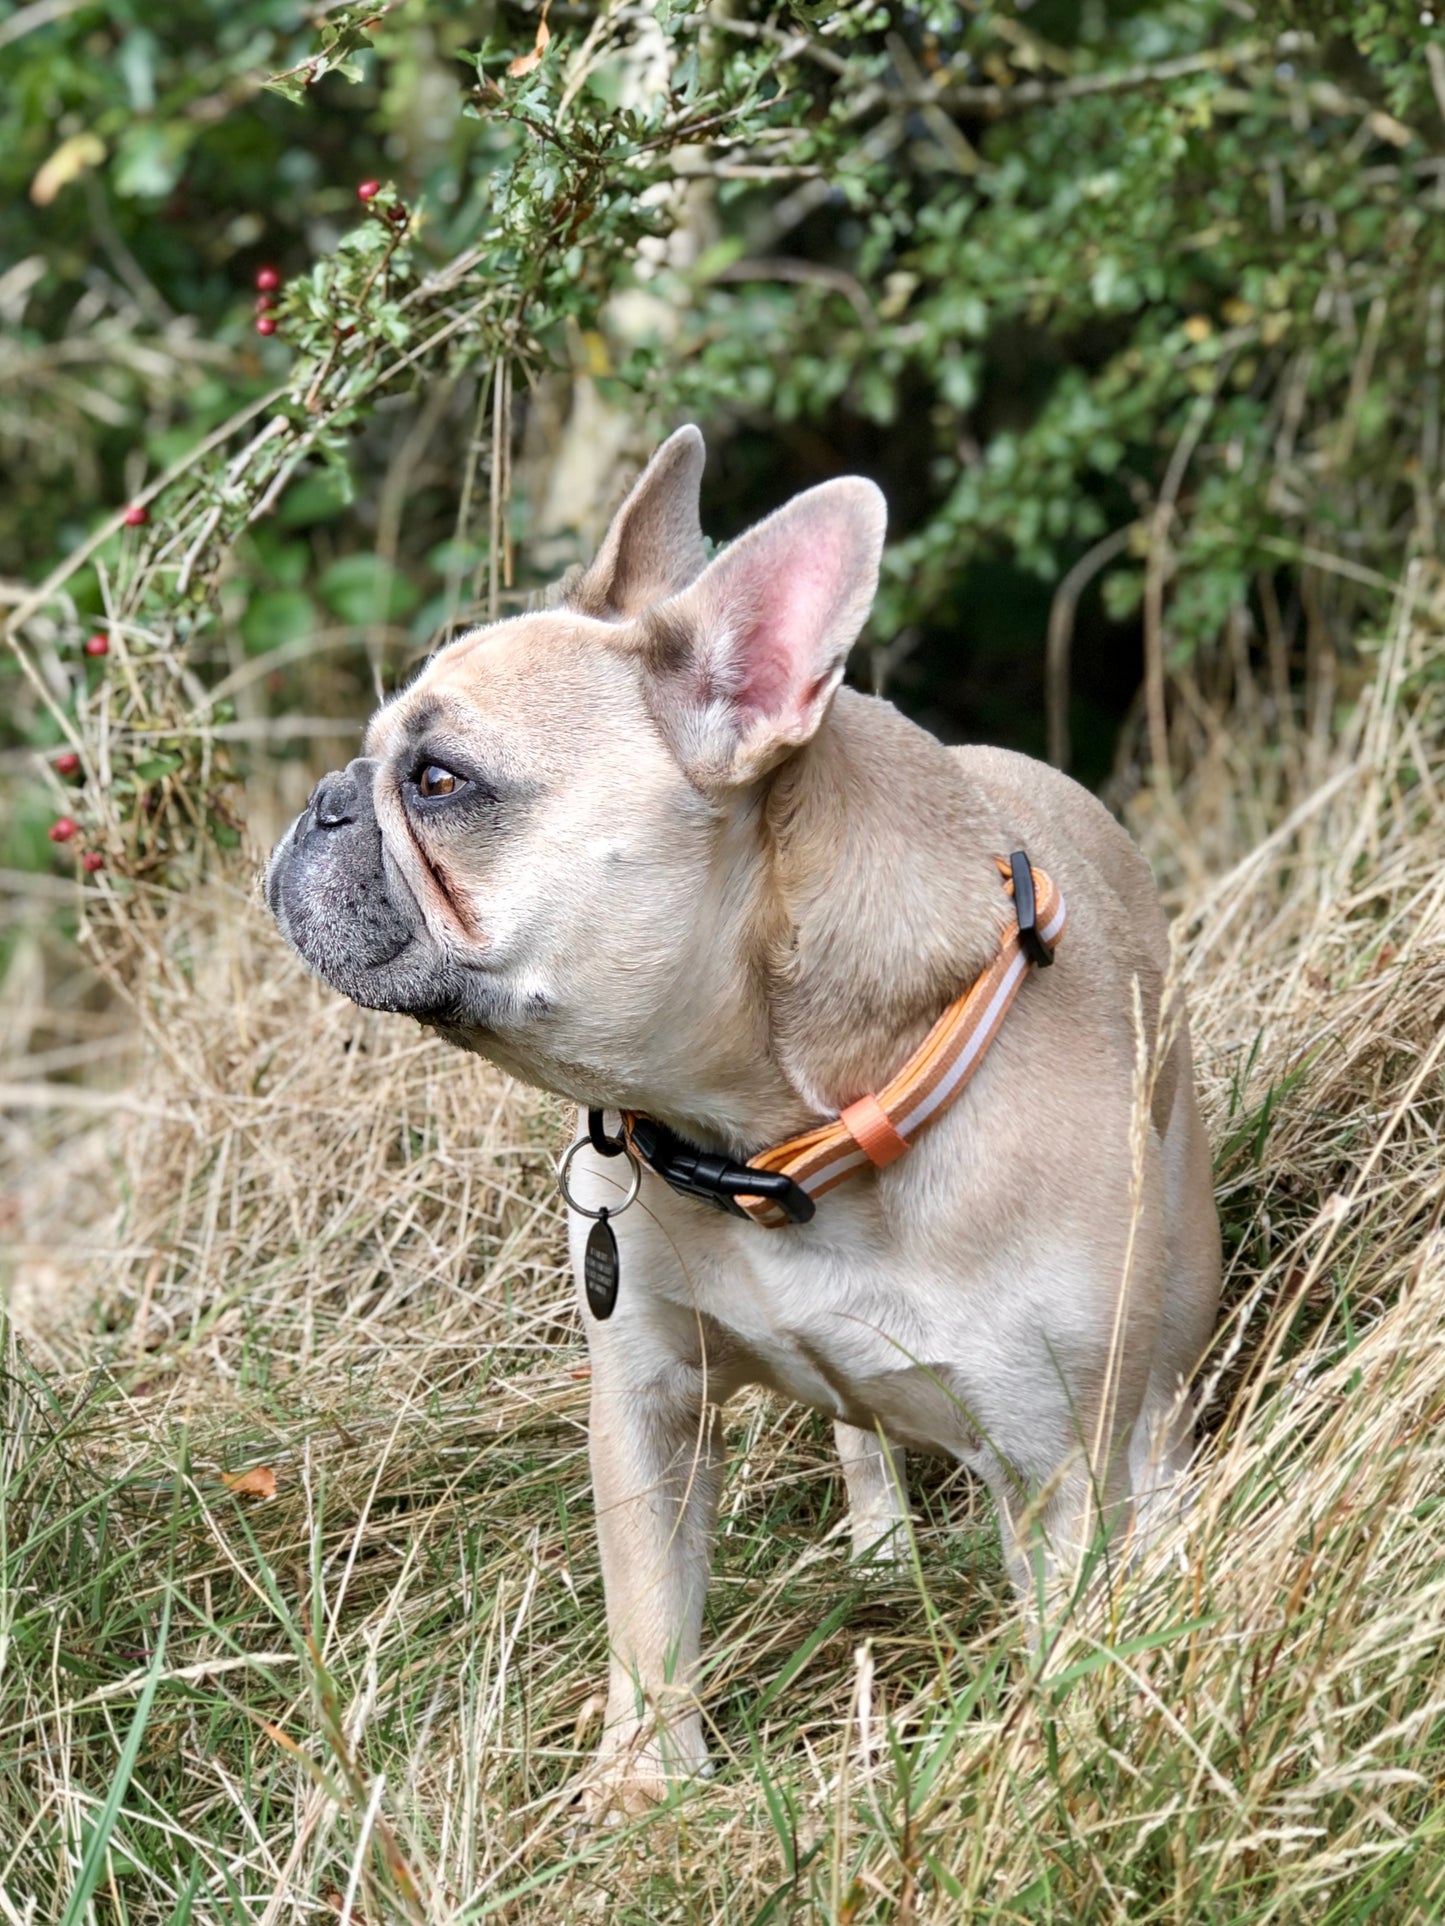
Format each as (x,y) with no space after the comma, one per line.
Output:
(350,915)
(271,882)
(346,911)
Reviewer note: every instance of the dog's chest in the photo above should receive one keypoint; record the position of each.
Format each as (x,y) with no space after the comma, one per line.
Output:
(837,1318)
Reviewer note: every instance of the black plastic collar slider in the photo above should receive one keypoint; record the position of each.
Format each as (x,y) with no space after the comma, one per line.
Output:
(1030,942)
(700,1173)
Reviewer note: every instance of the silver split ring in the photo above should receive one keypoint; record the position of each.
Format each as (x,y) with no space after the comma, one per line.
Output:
(609,1210)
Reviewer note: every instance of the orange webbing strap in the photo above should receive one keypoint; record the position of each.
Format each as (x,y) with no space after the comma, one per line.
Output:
(879,1129)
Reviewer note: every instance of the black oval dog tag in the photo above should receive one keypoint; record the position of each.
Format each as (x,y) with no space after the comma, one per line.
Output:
(600,1269)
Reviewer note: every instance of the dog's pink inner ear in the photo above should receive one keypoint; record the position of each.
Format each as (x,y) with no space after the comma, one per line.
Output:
(780,655)
(770,623)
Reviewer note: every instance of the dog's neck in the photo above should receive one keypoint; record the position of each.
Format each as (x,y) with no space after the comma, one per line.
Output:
(877,902)
(891,903)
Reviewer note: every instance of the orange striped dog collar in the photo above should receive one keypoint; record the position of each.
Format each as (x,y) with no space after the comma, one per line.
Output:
(878,1129)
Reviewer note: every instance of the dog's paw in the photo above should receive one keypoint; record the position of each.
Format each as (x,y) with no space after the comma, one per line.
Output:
(614,1798)
(878,1541)
(639,1766)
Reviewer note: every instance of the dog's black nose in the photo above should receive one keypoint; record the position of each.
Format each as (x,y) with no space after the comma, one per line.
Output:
(333,800)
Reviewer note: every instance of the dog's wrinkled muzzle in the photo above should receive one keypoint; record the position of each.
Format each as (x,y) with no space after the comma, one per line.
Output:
(337,900)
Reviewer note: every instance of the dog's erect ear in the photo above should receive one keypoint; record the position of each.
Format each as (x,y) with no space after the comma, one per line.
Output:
(654,546)
(745,661)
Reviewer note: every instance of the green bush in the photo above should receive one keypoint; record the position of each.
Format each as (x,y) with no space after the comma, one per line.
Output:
(1149,292)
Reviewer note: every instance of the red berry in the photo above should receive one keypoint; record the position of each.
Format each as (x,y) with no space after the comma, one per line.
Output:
(267,280)
(264,302)
(67,763)
(266,324)
(97,644)
(62,829)
(136,516)
(92,860)
(368,190)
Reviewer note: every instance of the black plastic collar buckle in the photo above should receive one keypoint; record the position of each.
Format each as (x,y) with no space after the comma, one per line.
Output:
(1030,942)
(701,1173)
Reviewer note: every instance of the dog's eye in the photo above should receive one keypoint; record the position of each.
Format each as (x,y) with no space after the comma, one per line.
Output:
(436,781)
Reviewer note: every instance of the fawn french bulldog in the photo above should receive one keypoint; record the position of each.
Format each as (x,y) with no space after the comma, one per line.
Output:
(643,850)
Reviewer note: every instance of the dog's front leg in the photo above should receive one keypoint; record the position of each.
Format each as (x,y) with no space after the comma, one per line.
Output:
(656,1476)
(877,1494)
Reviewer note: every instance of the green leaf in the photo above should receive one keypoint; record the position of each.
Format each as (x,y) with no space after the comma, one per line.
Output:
(315,498)
(275,617)
(153,768)
(136,57)
(293,90)
(363,588)
(1122,591)
(287,563)
(454,557)
(148,160)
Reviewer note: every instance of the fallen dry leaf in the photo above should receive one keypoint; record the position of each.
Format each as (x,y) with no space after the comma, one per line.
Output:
(524,63)
(336,1899)
(66,164)
(258,1482)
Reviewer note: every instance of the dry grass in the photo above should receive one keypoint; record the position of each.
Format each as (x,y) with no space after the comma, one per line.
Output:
(321,1243)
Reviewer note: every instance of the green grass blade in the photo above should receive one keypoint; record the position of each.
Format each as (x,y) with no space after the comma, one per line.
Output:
(94,1856)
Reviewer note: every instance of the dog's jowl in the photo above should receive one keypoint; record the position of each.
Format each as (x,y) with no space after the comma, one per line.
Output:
(644,851)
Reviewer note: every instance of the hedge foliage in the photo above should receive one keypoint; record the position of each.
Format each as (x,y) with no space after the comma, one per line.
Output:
(1150,292)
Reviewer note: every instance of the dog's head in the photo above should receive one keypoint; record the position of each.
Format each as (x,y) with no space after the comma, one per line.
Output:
(548,847)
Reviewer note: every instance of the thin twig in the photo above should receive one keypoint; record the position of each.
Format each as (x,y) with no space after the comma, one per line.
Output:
(1118,80)
(804,273)
(1157,568)
(43,13)
(1061,634)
